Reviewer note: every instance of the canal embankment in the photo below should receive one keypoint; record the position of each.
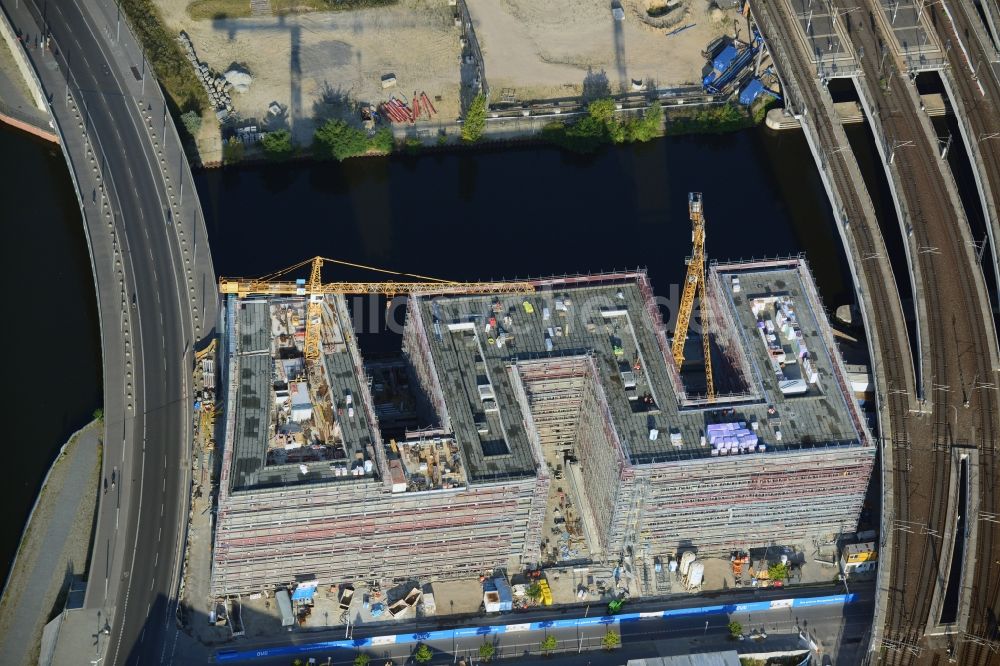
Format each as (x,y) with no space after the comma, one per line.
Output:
(54,546)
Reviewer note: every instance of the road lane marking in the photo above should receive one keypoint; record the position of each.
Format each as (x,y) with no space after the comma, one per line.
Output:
(145,148)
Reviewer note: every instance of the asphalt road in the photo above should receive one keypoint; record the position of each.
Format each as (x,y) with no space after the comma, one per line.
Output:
(141,516)
(840,631)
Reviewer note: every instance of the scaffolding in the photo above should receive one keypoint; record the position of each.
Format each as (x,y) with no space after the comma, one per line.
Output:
(355,530)
(645,484)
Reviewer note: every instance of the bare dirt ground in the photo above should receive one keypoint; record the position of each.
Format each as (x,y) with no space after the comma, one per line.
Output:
(296,60)
(546,49)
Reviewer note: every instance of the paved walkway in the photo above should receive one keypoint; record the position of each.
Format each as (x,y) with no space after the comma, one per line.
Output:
(53,549)
(15,98)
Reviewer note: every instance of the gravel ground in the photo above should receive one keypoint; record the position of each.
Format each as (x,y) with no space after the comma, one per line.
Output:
(54,547)
(296,60)
(546,49)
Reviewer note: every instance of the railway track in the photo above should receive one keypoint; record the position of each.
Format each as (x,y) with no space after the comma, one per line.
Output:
(885,312)
(961,361)
(981,106)
(962,352)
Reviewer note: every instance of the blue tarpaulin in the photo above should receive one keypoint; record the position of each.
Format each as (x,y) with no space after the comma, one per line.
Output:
(724,59)
(304,593)
(752,91)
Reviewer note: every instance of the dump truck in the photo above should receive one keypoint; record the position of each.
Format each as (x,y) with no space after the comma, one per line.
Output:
(346,596)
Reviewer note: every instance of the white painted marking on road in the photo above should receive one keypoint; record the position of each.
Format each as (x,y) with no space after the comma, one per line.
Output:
(156,560)
(159,533)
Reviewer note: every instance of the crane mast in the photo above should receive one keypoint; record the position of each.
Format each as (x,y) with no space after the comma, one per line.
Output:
(695,283)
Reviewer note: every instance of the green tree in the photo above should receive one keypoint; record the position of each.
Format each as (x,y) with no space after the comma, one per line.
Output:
(647,127)
(361,659)
(475,119)
(98,415)
(278,144)
(337,140)
(232,151)
(534,591)
(778,571)
(422,654)
(735,629)
(382,141)
(549,643)
(486,651)
(611,640)
(192,123)
(602,110)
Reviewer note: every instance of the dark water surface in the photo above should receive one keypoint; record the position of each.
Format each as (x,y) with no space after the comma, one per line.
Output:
(461,215)
(530,211)
(51,339)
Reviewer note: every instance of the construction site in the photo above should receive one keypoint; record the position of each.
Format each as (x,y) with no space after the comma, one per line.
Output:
(557,424)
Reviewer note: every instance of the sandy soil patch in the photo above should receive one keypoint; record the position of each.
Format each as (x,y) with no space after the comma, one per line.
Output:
(544,49)
(296,60)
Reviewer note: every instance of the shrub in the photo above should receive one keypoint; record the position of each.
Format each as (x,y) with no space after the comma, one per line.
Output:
(778,571)
(645,128)
(361,659)
(335,139)
(422,654)
(232,151)
(760,108)
(382,142)
(413,145)
(735,629)
(611,640)
(164,52)
(583,136)
(711,120)
(549,643)
(192,123)
(278,144)
(486,651)
(475,119)
(601,125)
(534,591)
(99,415)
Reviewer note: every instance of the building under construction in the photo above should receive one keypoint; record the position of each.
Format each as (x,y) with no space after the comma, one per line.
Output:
(559,404)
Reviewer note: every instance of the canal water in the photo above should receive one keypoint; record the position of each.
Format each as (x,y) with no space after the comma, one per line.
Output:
(462,215)
(530,211)
(51,340)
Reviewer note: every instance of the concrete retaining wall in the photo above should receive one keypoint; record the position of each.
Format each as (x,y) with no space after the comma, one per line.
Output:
(27,73)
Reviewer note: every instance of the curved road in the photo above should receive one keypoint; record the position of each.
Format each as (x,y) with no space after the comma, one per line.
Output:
(134,570)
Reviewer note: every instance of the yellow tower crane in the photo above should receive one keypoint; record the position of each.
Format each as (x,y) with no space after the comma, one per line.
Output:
(277,283)
(695,282)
